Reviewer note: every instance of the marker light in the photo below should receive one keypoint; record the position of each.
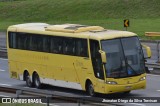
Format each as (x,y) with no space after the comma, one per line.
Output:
(111,82)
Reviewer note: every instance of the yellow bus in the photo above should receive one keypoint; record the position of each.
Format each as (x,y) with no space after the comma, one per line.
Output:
(75,56)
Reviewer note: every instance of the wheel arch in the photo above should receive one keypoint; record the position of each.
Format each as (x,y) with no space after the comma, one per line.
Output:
(87,82)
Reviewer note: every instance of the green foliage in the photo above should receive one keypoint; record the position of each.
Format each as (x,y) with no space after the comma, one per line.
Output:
(144,15)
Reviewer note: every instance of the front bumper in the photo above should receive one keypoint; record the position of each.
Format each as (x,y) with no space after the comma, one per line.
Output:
(127,87)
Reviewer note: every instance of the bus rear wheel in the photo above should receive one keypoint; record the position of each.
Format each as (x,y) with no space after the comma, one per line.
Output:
(28,80)
(37,81)
(90,89)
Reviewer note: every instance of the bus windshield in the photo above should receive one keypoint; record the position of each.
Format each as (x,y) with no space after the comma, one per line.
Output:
(124,57)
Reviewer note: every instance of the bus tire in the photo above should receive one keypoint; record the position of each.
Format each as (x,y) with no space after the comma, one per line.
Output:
(127,92)
(90,89)
(28,80)
(37,81)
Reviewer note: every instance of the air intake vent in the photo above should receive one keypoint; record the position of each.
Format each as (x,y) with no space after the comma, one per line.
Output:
(72,28)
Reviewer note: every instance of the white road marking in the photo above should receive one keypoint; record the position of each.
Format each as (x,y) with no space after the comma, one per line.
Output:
(29,87)
(158,90)
(4,96)
(2,70)
(3,59)
(26,87)
(50,104)
(5,84)
(137,104)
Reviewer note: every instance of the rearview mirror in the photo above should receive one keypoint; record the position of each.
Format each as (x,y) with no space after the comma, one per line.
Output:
(148,51)
(103,56)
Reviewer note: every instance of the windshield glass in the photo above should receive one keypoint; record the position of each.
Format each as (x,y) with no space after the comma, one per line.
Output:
(124,57)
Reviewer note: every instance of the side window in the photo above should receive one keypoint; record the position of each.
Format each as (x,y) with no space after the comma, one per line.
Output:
(81,47)
(56,45)
(39,43)
(12,39)
(46,44)
(69,46)
(21,40)
(96,59)
(34,42)
(27,42)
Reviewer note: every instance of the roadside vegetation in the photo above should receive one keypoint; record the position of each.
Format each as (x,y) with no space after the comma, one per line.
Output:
(144,15)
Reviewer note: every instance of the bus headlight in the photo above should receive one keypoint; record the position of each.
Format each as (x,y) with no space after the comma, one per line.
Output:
(142,78)
(111,82)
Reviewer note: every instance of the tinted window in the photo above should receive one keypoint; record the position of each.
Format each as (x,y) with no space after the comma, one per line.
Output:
(50,44)
(46,44)
(23,41)
(69,46)
(56,45)
(81,47)
(12,40)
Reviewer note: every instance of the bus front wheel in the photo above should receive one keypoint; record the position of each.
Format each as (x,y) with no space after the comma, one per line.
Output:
(37,81)
(127,92)
(90,89)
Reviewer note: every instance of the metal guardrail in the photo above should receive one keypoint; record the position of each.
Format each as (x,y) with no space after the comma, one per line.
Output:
(52,96)
(2,49)
(3,52)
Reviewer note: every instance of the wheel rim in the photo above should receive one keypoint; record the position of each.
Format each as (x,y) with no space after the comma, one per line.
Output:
(91,90)
(37,81)
(28,81)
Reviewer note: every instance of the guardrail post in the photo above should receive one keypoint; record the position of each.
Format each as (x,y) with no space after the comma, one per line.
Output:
(79,102)
(158,60)
(47,99)
(18,92)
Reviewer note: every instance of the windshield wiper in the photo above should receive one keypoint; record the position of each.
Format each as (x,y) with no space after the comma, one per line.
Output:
(130,66)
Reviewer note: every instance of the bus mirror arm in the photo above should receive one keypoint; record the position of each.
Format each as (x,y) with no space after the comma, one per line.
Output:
(103,56)
(148,51)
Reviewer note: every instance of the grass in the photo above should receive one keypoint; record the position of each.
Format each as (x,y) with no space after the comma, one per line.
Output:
(144,15)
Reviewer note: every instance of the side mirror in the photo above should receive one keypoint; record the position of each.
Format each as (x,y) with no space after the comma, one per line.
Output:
(148,51)
(103,56)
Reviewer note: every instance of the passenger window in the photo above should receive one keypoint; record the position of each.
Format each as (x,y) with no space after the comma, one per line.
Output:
(21,38)
(81,47)
(69,46)
(34,43)
(46,44)
(12,39)
(56,45)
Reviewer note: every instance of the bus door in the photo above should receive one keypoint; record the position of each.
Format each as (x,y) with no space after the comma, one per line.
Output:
(97,65)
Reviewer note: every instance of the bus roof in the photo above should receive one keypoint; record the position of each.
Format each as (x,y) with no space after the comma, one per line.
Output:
(77,30)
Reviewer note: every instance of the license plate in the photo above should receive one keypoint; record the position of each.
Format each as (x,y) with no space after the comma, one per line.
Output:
(128,87)
(149,68)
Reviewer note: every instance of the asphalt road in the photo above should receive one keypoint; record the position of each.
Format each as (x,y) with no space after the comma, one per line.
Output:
(152,90)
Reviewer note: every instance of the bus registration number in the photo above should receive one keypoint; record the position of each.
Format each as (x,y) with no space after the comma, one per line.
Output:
(128,87)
